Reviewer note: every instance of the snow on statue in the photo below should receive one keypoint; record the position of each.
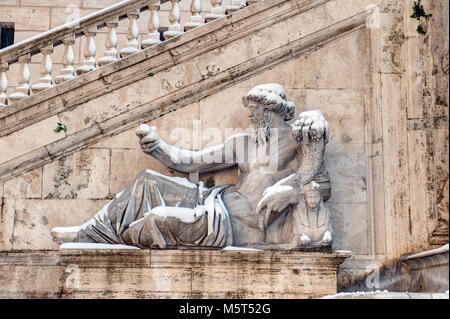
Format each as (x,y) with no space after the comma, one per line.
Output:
(267,205)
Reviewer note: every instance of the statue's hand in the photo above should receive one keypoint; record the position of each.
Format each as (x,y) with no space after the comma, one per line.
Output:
(310,127)
(275,198)
(327,238)
(148,138)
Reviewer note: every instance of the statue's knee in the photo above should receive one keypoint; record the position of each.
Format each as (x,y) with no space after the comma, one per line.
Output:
(155,176)
(158,211)
(150,176)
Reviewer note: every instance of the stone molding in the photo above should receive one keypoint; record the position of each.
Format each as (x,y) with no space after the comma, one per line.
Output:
(169,274)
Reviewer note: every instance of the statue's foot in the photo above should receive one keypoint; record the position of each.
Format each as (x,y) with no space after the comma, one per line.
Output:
(303,240)
(65,234)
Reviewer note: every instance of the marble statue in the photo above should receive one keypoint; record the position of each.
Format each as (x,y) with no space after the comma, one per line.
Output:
(278,198)
(306,224)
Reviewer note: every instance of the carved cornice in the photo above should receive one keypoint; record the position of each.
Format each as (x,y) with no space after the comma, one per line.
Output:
(155,258)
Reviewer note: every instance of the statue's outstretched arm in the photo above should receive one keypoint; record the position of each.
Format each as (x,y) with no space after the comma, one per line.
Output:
(207,160)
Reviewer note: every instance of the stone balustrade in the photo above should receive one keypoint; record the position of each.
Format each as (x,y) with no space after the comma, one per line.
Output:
(87,27)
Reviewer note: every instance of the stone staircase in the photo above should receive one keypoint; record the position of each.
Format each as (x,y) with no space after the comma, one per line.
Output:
(87,27)
(26,106)
(62,98)
(197,76)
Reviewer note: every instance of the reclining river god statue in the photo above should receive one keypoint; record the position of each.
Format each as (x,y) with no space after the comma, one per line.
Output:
(279,164)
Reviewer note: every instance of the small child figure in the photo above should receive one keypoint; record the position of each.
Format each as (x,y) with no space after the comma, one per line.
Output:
(312,219)
(306,224)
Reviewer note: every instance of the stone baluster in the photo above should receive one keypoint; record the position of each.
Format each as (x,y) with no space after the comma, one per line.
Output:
(45,82)
(23,89)
(216,11)
(234,5)
(88,63)
(196,17)
(66,72)
(174,21)
(4,67)
(153,26)
(132,45)
(111,43)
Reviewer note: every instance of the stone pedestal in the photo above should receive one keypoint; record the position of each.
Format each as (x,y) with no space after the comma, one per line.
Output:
(124,273)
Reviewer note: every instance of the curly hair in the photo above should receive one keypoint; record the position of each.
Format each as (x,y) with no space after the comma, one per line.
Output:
(273,97)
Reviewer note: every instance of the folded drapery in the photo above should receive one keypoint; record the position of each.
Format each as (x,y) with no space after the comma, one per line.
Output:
(128,220)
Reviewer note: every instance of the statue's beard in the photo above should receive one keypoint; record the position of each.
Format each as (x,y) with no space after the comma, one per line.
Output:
(261,128)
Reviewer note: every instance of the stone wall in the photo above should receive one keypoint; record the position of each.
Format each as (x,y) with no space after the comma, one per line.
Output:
(436,96)
(378,82)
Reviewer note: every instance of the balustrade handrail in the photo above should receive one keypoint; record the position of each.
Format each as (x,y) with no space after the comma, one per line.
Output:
(87,26)
(56,35)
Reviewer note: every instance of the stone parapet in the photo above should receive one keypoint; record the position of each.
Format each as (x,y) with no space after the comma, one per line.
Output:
(387,295)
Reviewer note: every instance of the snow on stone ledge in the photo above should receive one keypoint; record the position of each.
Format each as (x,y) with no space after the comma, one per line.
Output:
(440,250)
(356,294)
(343,252)
(386,295)
(235,248)
(94,246)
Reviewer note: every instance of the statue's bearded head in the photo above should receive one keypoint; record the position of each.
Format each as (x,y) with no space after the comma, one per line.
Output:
(264,102)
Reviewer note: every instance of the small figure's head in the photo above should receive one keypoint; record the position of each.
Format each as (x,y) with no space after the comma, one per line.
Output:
(311,193)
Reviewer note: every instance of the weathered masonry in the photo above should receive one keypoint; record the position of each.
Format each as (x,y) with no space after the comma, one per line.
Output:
(382,86)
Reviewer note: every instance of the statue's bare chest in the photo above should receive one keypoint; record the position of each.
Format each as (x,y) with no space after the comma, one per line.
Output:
(272,156)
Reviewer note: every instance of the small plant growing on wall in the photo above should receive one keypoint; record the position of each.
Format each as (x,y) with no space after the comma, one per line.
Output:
(419,12)
(60,127)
